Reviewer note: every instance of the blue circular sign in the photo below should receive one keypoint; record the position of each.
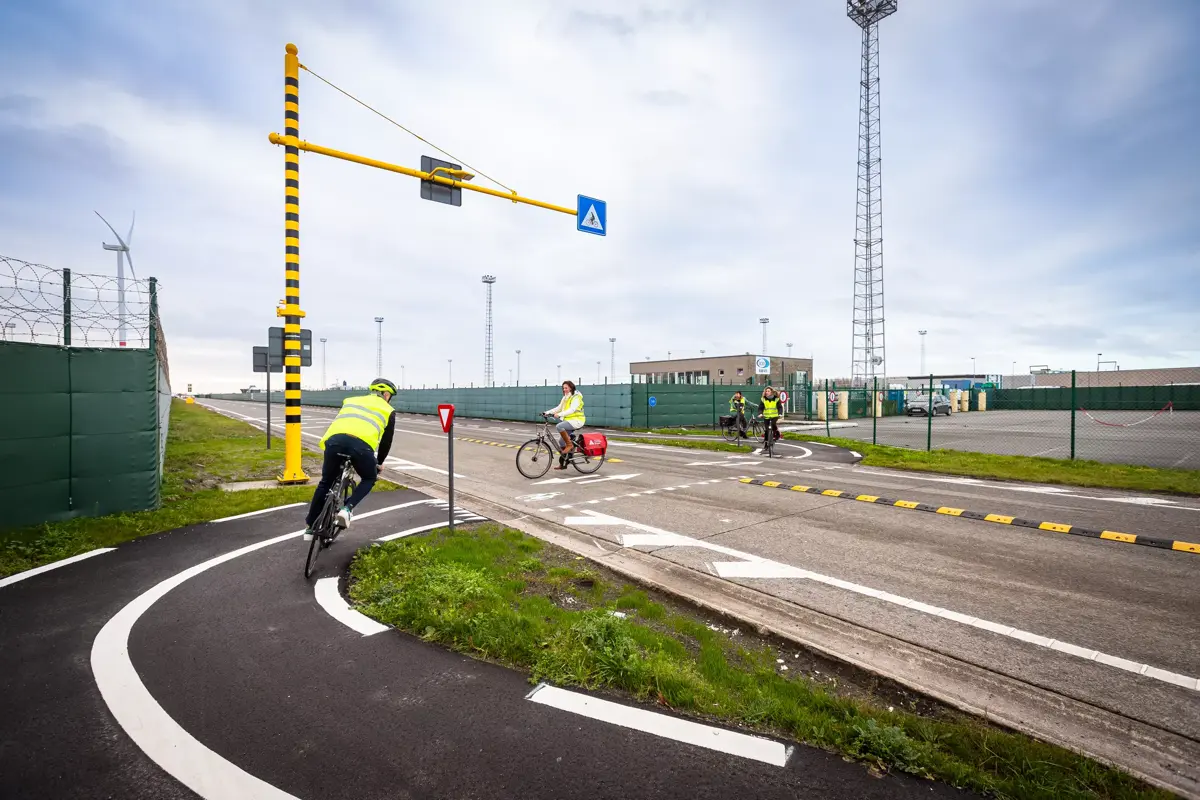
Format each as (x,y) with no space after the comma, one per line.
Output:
(653,402)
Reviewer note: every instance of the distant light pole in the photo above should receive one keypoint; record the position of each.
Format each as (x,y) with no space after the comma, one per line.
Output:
(518,368)
(450,361)
(972,367)
(764,322)
(597,373)
(379,347)
(323,383)
(1098,361)
(922,350)
(401,376)
(612,342)
(559,373)
(789,347)
(510,376)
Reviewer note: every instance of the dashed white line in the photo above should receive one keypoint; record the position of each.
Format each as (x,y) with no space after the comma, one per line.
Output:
(681,730)
(335,605)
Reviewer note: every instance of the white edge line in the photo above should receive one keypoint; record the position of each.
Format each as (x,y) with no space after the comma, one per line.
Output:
(336,606)
(681,730)
(29,573)
(256,513)
(411,531)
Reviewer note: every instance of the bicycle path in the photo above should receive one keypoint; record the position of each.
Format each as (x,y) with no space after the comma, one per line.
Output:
(279,695)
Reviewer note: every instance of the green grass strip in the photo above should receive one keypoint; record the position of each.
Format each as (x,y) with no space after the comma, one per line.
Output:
(495,593)
(204,449)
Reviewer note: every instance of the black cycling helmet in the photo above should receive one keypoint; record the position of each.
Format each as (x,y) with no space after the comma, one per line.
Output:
(383,385)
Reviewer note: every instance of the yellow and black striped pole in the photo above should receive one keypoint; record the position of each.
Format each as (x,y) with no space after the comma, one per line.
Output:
(290,311)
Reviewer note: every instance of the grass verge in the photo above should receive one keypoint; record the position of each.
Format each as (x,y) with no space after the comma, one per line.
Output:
(204,449)
(1095,474)
(497,594)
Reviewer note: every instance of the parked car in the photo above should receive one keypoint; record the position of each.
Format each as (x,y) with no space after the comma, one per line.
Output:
(920,405)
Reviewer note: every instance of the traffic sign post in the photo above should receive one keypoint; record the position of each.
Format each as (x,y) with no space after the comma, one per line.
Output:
(591,215)
(268,360)
(446,415)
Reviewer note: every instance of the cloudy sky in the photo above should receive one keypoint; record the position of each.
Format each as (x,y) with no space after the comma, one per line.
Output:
(1041,186)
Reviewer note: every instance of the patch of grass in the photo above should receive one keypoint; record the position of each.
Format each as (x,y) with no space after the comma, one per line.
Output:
(204,449)
(498,594)
(691,444)
(1021,468)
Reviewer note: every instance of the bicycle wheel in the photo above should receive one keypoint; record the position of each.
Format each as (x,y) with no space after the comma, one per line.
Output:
(586,464)
(729,433)
(534,458)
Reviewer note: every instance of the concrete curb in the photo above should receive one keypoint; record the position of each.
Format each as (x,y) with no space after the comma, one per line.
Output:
(1158,756)
(1002,519)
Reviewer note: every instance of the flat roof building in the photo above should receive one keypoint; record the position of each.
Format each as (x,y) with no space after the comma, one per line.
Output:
(738,369)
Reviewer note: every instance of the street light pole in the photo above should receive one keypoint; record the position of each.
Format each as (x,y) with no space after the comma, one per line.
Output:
(324,385)
(518,368)
(764,322)
(379,347)
(789,347)
(401,376)
(597,373)
(559,373)
(450,361)
(922,350)
(1098,361)
(612,341)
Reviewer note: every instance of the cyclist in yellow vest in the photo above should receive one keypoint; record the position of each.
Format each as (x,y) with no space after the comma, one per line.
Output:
(569,412)
(737,408)
(771,411)
(364,424)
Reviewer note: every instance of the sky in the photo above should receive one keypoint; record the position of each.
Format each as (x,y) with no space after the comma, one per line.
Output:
(1040,190)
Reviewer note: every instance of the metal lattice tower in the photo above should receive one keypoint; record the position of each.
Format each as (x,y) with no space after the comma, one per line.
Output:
(489,366)
(379,347)
(868,350)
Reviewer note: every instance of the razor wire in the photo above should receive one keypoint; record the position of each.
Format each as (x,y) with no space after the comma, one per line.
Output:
(44,305)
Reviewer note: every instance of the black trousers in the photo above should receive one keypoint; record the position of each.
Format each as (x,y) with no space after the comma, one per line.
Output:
(363,459)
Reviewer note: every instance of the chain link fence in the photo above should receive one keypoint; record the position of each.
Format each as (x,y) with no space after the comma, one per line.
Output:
(1142,417)
(42,305)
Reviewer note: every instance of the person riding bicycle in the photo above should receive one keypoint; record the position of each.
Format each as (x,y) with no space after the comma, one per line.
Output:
(364,424)
(737,408)
(770,411)
(569,413)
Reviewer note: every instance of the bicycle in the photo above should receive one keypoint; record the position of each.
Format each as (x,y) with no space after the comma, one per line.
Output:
(541,450)
(324,531)
(731,433)
(768,441)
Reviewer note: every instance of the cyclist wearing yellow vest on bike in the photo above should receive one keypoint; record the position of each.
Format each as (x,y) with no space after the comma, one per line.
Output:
(569,411)
(771,411)
(364,424)
(737,408)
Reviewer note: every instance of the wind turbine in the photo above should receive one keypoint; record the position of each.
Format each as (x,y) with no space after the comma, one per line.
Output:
(122,248)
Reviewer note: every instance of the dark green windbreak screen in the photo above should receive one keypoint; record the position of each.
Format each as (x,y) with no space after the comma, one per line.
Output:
(79,432)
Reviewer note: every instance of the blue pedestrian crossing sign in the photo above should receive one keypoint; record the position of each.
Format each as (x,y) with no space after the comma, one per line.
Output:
(591,215)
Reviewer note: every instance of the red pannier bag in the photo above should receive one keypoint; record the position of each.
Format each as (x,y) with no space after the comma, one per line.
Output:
(594,444)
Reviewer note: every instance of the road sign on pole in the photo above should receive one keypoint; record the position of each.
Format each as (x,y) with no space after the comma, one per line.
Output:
(784,397)
(591,215)
(446,415)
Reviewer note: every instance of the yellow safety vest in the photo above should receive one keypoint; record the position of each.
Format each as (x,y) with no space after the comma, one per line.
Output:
(574,410)
(364,417)
(770,407)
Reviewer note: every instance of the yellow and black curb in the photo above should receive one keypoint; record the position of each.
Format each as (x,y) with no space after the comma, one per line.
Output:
(510,446)
(1003,519)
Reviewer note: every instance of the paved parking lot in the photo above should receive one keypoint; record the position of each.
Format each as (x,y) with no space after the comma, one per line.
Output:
(1128,437)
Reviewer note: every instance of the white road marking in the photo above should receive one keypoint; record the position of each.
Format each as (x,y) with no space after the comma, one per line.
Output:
(256,513)
(855,454)
(418,529)
(29,573)
(722,463)
(404,465)
(681,730)
(752,566)
(588,481)
(335,605)
(144,720)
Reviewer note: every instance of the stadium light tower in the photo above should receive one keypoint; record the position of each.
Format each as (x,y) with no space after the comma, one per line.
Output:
(379,347)
(489,371)
(764,322)
(868,340)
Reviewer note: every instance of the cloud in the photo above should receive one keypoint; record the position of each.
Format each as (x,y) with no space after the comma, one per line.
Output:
(1035,199)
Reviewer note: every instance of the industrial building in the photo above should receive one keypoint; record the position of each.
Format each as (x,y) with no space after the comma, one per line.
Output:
(722,369)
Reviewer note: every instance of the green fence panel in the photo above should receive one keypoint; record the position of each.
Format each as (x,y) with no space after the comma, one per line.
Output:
(1096,398)
(79,434)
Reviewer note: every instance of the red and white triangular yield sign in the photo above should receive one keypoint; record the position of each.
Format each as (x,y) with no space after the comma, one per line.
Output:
(446,413)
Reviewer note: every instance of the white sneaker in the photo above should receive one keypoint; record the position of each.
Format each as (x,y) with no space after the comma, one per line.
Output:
(308,534)
(342,520)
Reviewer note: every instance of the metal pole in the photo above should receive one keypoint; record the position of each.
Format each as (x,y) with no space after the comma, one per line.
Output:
(1073,404)
(929,413)
(269,401)
(293,471)
(66,307)
(121,297)
(450,468)
(875,411)
(324,385)
(828,410)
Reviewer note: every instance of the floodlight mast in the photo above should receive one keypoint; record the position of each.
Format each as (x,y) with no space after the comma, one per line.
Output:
(868,327)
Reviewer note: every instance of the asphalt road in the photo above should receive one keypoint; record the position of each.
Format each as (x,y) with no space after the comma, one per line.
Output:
(1118,437)
(202,658)
(1060,612)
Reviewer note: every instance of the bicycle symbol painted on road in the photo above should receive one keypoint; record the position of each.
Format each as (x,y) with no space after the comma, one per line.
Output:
(532,498)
